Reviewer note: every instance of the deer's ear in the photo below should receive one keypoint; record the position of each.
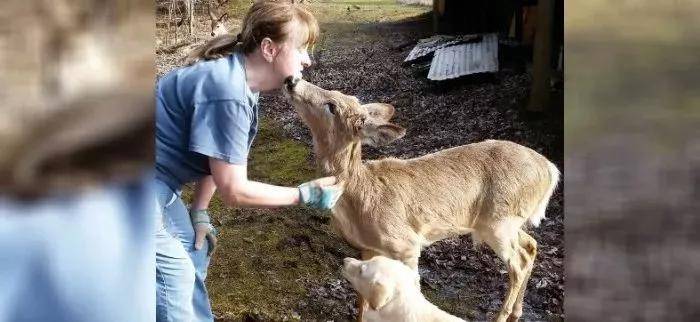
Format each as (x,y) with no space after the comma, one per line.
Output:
(381,134)
(380,111)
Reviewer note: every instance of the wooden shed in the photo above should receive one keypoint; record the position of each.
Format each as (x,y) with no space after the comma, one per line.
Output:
(536,25)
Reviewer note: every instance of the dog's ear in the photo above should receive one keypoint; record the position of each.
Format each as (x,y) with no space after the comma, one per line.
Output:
(380,295)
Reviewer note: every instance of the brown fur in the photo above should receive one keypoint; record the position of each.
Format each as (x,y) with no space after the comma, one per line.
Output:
(395,207)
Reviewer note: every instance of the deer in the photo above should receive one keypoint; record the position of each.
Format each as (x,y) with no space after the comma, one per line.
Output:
(396,207)
(217,19)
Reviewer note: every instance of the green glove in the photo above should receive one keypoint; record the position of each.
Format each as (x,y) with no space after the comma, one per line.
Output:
(319,194)
(203,228)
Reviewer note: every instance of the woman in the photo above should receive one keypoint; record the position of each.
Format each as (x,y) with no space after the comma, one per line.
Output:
(206,119)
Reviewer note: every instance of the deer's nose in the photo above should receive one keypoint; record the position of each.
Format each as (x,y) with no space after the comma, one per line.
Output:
(291,82)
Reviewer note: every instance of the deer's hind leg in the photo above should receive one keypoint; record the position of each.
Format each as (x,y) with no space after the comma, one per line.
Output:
(529,246)
(513,247)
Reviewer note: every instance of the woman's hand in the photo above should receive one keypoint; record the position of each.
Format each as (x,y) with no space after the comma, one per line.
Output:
(321,193)
(203,228)
(237,191)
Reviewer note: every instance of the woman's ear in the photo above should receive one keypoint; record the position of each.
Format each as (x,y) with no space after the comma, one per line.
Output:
(269,49)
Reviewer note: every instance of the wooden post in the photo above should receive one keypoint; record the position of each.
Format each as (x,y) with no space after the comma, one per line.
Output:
(519,20)
(438,12)
(542,58)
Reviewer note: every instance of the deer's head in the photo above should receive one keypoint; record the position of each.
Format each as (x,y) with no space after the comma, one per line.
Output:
(218,25)
(337,120)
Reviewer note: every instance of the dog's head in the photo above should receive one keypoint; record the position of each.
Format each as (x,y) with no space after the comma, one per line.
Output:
(380,279)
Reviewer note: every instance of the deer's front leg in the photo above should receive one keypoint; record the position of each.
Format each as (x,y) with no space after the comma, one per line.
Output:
(407,254)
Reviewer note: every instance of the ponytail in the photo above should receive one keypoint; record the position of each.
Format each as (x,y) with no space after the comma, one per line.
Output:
(264,19)
(215,48)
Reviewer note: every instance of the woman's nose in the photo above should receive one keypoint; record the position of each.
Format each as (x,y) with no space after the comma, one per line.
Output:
(305,59)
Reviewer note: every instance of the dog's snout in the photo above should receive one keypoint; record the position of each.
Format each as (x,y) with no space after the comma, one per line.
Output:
(291,82)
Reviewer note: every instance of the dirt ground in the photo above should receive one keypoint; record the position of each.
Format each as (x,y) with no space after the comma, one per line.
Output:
(277,265)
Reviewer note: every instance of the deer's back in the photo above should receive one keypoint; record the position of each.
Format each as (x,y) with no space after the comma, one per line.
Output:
(447,192)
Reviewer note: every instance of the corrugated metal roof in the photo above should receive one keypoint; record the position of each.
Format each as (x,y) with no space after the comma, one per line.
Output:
(464,59)
(427,46)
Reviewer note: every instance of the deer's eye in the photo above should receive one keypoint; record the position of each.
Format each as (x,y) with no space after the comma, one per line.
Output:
(330,107)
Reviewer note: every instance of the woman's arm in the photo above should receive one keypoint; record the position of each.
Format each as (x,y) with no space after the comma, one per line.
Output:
(203,192)
(236,190)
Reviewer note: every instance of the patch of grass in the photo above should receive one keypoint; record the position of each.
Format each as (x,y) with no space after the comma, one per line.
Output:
(330,11)
(278,160)
(264,261)
(354,12)
(337,18)
(238,8)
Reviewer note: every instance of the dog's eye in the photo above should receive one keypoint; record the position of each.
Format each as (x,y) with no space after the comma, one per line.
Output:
(363,268)
(331,107)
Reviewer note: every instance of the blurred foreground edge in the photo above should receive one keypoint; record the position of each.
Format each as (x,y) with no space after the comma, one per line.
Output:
(76,94)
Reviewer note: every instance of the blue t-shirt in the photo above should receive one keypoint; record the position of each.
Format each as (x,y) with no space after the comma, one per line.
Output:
(204,110)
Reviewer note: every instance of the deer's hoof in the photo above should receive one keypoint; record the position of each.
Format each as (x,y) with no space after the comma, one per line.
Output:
(502,317)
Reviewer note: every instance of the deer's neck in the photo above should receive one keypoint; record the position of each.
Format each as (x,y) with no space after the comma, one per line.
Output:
(345,163)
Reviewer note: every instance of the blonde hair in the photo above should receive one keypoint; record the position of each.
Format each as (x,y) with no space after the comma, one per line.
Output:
(264,19)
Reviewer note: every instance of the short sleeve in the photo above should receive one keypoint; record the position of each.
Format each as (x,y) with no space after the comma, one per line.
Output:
(220,130)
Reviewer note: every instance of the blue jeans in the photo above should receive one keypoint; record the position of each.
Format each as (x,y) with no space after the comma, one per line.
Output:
(181,295)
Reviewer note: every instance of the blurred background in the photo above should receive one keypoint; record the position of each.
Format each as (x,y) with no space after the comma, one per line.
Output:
(632,155)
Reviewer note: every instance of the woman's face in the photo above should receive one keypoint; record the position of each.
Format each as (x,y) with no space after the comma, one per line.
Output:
(291,60)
